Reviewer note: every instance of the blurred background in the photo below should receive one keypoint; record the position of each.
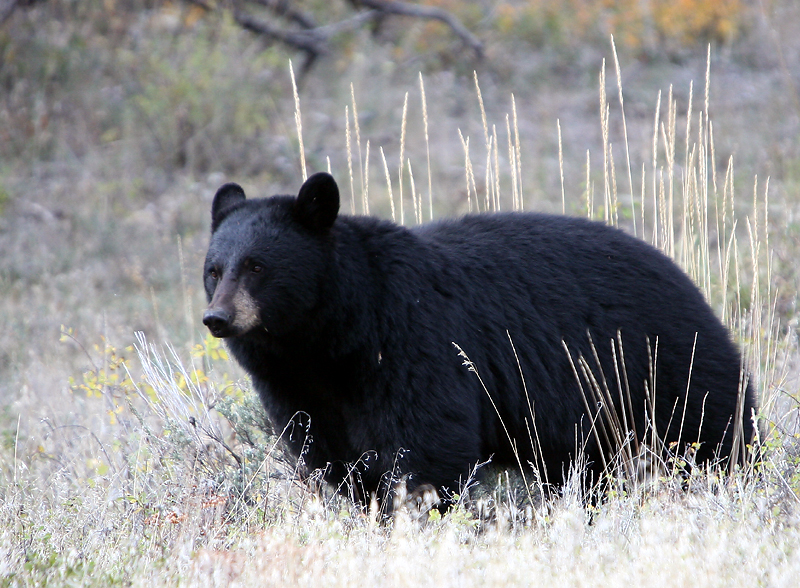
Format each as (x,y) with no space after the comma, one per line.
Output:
(120,119)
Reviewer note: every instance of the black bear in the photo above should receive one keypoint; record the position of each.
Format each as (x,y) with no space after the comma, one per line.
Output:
(580,334)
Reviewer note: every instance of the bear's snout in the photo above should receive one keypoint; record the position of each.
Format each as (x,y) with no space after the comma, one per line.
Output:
(218,321)
(232,311)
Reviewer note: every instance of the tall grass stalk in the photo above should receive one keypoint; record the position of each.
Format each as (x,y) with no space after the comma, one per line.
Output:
(608,212)
(366,183)
(349,149)
(618,70)
(362,176)
(561,169)
(388,184)
(298,121)
(488,144)
(512,159)
(402,157)
(517,161)
(469,174)
(427,144)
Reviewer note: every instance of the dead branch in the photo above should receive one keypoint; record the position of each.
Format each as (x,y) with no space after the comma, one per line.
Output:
(285,9)
(427,12)
(314,40)
(309,41)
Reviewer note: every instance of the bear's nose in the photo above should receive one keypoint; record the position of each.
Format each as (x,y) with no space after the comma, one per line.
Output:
(217,321)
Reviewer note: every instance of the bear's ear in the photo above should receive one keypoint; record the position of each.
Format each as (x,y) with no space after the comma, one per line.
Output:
(224,199)
(317,204)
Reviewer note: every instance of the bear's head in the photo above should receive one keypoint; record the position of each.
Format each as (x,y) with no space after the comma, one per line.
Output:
(268,258)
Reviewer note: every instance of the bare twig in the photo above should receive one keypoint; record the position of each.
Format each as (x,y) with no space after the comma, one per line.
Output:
(309,41)
(427,12)
(284,8)
(313,39)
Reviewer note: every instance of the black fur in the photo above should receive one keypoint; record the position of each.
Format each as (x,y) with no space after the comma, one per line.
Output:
(358,317)
(225,199)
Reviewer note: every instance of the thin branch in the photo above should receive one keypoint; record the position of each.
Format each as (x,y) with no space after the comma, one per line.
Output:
(315,40)
(428,12)
(313,45)
(307,41)
(284,8)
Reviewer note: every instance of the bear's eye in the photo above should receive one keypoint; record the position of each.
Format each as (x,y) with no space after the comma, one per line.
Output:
(213,274)
(255,268)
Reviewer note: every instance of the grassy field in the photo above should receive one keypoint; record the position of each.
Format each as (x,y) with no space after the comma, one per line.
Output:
(133,452)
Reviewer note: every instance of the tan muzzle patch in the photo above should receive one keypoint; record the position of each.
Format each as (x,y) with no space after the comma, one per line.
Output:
(246,311)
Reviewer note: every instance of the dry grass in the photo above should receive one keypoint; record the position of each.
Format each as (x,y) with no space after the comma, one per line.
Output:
(154,467)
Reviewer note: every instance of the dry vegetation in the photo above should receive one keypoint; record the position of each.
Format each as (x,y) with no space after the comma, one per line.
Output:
(133,452)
